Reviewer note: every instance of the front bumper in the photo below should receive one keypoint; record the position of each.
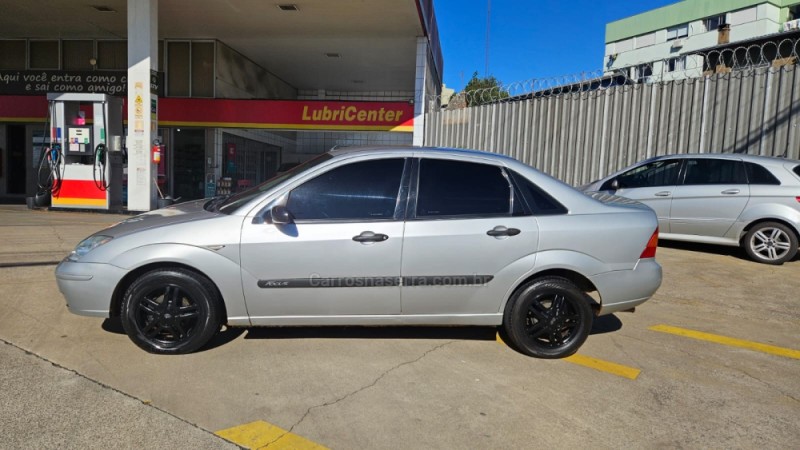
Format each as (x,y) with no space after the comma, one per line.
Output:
(88,287)
(621,290)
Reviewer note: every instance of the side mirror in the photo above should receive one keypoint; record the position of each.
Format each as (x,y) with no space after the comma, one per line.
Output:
(280,215)
(615,184)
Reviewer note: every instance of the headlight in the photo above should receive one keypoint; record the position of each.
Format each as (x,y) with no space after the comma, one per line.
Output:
(88,245)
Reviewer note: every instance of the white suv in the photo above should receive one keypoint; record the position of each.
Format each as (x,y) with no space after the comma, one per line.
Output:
(725,199)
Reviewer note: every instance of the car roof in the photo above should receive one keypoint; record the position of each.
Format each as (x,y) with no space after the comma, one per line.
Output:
(358,150)
(742,156)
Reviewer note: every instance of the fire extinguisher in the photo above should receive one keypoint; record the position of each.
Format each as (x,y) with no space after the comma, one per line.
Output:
(156,151)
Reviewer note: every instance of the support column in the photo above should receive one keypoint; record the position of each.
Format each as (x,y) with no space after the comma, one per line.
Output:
(420,91)
(142,103)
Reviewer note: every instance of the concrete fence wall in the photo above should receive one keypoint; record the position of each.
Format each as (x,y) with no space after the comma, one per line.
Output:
(580,137)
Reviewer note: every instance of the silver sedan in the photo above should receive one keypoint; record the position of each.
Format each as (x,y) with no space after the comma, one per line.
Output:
(726,199)
(395,236)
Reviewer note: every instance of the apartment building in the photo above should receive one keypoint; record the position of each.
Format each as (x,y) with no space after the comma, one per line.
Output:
(674,41)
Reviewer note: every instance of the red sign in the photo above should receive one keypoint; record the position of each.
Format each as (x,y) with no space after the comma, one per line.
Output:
(269,114)
(287,114)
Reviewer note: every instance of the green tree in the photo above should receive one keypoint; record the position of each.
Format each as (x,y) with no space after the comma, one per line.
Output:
(480,91)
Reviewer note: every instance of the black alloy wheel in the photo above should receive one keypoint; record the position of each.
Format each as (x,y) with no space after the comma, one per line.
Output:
(171,311)
(548,318)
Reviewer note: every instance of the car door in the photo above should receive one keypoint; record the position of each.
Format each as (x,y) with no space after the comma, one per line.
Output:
(467,239)
(651,183)
(339,256)
(711,197)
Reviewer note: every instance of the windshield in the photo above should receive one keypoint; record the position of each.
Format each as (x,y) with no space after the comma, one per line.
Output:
(235,201)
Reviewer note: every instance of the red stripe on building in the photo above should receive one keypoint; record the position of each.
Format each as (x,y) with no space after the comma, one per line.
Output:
(304,114)
(22,106)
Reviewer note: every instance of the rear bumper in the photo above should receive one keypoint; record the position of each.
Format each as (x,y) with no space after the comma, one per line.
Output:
(88,287)
(624,289)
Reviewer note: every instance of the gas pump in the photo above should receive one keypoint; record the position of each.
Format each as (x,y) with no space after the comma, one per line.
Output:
(89,160)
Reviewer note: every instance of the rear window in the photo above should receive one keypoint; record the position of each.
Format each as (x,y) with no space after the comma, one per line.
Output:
(703,171)
(757,174)
(539,201)
(797,170)
(459,188)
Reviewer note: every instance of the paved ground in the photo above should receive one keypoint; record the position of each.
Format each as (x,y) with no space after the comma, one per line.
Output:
(640,385)
(46,406)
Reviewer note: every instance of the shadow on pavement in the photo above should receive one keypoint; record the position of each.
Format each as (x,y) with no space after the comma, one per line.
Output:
(606,324)
(223,337)
(601,325)
(722,250)
(114,325)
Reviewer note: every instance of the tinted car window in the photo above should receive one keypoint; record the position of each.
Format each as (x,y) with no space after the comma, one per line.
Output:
(539,201)
(656,173)
(797,170)
(456,188)
(714,171)
(757,174)
(364,190)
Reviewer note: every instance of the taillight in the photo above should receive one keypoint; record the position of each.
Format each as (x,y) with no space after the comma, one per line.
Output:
(652,244)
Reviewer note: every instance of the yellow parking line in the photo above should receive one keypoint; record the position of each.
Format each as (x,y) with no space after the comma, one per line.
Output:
(604,366)
(259,434)
(733,342)
(598,364)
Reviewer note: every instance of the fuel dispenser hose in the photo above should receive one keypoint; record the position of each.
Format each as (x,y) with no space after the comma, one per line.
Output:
(100,156)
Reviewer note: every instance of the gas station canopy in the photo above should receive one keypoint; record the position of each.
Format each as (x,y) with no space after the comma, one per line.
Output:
(341,45)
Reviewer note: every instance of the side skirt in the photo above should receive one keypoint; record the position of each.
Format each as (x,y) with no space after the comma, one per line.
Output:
(699,239)
(383,320)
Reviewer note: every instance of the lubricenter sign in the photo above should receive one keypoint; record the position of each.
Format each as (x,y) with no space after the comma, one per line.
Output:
(268,114)
(350,114)
(288,114)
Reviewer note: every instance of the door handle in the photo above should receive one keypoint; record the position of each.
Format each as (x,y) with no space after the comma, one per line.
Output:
(503,231)
(663,194)
(730,192)
(369,236)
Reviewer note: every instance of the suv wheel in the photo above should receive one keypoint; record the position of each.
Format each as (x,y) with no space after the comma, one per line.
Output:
(771,243)
(548,318)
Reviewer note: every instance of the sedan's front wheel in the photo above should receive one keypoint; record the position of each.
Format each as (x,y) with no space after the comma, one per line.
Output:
(171,311)
(548,318)
(771,243)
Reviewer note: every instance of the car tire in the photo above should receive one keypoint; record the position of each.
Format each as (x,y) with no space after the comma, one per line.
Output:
(171,311)
(771,243)
(548,318)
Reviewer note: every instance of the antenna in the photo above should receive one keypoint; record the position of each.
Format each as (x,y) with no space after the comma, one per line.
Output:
(488,27)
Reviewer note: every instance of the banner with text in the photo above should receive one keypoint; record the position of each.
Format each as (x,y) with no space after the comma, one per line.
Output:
(264,114)
(288,114)
(41,82)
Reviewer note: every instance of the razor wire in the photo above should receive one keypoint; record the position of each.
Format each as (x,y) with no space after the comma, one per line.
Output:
(687,67)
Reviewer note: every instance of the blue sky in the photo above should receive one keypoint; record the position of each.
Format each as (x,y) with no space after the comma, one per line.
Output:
(528,38)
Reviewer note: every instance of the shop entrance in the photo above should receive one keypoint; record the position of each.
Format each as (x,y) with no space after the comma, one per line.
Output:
(188,148)
(246,163)
(16,145)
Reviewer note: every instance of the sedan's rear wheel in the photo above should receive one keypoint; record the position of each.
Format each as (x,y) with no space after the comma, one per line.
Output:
(771,243)
(171,311)
(548,318)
